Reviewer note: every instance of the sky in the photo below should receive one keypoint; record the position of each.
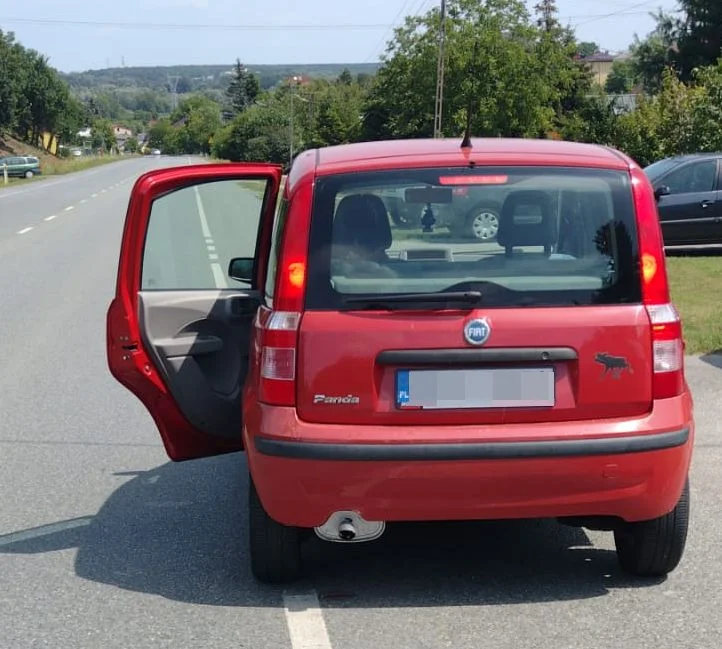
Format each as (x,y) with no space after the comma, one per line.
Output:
(260,31)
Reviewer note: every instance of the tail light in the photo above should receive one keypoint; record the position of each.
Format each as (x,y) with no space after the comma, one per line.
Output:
(279,327)
(667,351)
(279,340)
(667,336)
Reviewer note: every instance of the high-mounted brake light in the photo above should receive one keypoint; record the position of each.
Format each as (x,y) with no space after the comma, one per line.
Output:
(473,180)
(665,323)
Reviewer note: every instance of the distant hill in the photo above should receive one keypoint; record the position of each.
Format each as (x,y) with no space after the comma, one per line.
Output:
(193,78)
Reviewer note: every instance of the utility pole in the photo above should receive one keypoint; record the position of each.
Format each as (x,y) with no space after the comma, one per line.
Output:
(173,87)
(439,108)
(293,82)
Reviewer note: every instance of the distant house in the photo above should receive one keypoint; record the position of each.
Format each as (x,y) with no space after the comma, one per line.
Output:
(601,66)
(122,133)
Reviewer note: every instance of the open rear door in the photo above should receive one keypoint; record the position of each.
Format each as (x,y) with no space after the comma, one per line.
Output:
(179,327)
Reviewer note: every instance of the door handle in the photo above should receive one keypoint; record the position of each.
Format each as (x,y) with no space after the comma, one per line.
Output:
(706,204)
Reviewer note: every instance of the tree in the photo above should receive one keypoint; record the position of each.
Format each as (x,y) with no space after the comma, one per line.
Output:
(243,88)
(622,78)
(160,134)
(257,134)
(587,48)
(492,65)
(698,36)
(131,145)
(184,86)
(103,135)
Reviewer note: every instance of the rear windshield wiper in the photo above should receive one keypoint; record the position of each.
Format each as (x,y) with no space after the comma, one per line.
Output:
(389,301)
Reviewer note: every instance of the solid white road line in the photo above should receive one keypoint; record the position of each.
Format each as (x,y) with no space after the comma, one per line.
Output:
(25,230)
(305,621)
(202,214)
(219,276)
(44,530)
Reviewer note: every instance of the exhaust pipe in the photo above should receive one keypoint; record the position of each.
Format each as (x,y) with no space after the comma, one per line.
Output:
(349,527)
(346,531)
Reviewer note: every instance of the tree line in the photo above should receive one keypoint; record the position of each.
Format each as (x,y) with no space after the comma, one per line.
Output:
(509,73)
(33,97)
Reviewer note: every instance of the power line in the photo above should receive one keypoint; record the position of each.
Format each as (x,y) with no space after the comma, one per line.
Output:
(195,26)
(285,27)
(389,28)
(627,11)
(384,38)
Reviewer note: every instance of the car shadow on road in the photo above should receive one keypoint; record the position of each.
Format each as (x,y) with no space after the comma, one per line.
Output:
(714,359)
(179,531)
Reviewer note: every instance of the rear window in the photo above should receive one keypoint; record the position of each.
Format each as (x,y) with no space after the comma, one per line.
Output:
(519,236)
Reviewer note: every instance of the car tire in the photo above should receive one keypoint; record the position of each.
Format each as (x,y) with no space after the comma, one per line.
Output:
(29,174)
(654,548)
(275,549)
(482,224)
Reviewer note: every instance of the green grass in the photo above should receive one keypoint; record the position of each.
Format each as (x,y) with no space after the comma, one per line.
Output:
(259,188)
(60,166)
(696,285)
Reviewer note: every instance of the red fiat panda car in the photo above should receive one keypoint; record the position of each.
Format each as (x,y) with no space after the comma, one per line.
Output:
(376,374)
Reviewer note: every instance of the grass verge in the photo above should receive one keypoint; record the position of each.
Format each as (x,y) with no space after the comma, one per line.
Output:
(59,167)
(696,285)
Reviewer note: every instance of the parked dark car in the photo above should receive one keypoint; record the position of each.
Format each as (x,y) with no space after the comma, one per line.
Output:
(689,197)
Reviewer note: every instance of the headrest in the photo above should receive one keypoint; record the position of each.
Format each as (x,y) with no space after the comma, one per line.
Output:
(526,219)
(362,221)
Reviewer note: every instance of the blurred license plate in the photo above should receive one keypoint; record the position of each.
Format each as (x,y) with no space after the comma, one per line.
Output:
(477,388)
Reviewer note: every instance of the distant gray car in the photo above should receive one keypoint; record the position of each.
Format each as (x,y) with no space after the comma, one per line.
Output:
(21,166)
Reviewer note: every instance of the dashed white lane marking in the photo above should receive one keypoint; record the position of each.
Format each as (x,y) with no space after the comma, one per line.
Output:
(213,257)
(94,196)
(85,200)
(202,215)
(44,530)
(305,621)
(25,230)
(102,191)
(218,275)
(51,217)
(69,208)
(211,248)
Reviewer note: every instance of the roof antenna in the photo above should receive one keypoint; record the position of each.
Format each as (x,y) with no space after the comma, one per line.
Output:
(466,142)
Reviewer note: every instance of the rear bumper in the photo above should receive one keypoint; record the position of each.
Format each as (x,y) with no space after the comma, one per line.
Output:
(634,469)
(480,451)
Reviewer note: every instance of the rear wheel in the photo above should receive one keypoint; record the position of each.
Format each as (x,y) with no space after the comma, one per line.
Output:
(654,548)
(28,174)
(482,224)
(275,549)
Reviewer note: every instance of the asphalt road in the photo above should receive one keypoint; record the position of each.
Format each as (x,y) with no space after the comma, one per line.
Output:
(104,543)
